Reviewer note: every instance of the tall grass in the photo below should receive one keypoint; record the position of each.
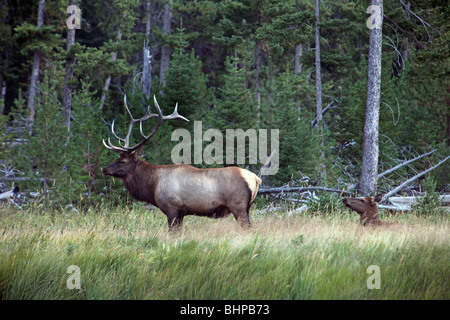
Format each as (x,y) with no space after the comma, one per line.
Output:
(128,254)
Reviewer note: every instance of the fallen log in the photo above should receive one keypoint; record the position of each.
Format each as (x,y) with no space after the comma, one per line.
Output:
(300,189)
(409,201)
(8,194)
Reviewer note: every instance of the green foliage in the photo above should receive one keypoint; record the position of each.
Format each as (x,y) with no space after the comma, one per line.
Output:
(285,25)
(120,14)
(430,201)
(186,84)
(325,203)
(88,154)
(234,107)
(42,154)
(95,64)
(299,147)
(5,151)
(225,54)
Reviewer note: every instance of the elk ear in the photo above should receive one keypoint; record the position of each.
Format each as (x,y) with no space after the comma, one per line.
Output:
(137,153)
(378,198)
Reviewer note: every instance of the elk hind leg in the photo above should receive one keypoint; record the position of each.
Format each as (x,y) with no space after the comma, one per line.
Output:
(242,217)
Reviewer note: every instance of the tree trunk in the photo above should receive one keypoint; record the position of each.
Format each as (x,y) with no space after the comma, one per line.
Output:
(147,62)
(67,102)
(318,74)
(447,130)
(297,63)
(35,70)
(3,96)
(319,113)
(258,82)
(298,68)
(165,51)
(108,80)
(368,180)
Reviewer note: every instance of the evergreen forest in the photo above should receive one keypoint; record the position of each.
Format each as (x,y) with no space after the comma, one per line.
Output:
(66,66)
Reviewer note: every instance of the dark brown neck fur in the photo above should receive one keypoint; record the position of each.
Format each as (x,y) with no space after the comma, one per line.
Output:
(141,185)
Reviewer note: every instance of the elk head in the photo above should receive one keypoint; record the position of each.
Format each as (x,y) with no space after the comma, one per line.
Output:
(129,156)
(366,208)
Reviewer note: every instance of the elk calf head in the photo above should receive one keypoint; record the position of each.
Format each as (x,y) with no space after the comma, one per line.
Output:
(366,208)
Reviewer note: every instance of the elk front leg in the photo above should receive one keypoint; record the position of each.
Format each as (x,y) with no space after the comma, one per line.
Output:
(175,221)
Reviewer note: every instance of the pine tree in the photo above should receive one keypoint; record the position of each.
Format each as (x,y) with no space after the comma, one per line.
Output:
(44,147)
(186,82)
(234,107)
(86,150)
(299,149)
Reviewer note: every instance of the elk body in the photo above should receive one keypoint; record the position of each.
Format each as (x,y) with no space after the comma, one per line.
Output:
(180,190)
(366,208)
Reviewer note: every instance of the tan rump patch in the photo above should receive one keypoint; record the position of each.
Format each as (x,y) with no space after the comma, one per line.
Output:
(253,182)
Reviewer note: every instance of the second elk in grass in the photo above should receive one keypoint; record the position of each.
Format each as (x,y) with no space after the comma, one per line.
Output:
(366,208)
(180,190)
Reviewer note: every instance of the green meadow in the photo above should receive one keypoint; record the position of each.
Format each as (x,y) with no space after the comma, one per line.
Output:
(128,254)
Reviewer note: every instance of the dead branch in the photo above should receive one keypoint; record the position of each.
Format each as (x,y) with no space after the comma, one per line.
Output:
(424,23)
(266,163)
(299,189)
(404,164)
(327,108)
(404,184)
(9,194)
(353,186)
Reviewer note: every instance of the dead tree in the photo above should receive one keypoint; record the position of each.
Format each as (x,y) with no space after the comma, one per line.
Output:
(368,180)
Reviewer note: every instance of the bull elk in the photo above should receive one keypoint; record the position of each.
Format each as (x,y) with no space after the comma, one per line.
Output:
(179,190)
(366,208)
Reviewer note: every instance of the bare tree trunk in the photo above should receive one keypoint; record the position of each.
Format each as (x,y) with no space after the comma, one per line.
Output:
(297,68)
(108,80)
(368,180)
(67,102)
(319,112)
(447,130)
(165,51)
(318,73)
(447,133)
(147,65)
(258,81)
(297,63)
(35,70)
(3,96)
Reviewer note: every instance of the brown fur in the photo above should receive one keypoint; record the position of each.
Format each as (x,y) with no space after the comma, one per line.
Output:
(366,208)
(180,190)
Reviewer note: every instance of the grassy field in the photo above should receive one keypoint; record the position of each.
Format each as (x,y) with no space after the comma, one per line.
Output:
(128,254)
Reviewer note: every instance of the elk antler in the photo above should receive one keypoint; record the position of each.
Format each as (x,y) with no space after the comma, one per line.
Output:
(124,143)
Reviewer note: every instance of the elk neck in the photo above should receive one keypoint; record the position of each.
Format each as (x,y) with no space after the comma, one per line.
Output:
(141,183)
